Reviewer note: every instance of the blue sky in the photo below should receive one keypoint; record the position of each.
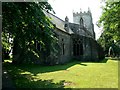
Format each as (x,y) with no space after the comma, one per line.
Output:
(65,8)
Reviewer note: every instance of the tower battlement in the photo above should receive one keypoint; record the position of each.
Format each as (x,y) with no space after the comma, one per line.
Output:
(82,13)
(87,19)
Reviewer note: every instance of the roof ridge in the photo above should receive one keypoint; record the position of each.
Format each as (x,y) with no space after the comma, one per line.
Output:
(55,16)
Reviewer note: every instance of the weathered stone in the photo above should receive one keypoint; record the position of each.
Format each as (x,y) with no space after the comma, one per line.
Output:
(76,40)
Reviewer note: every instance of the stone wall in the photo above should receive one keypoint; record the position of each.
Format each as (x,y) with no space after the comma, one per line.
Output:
(87,50)
(92,51)
(87,20)
(64,43)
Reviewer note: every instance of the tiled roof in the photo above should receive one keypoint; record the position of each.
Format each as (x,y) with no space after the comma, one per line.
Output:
(58,22)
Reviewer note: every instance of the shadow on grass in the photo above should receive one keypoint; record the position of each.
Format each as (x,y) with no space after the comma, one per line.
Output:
(83,64)
(101,61)
(35,69)
(28,81)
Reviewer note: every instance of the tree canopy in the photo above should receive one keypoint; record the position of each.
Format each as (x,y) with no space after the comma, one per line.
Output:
(27,24)
(111,24)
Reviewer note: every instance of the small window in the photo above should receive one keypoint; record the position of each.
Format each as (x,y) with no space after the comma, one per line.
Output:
(63,49)
(66,25)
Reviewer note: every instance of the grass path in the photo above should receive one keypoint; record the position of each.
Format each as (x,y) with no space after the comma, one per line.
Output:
(71,75)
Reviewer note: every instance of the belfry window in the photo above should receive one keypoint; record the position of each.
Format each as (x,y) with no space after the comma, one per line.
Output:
(81,21)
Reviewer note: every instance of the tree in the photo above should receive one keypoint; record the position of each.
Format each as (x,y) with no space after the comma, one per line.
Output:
(111,25)
(27,24)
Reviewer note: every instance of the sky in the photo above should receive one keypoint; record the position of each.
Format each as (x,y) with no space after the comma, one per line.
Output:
(65,8)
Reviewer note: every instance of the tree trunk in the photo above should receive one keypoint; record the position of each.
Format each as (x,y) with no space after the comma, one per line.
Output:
(16,52)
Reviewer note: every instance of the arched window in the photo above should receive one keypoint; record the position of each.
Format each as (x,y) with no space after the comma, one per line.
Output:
(77,48)
(81,21)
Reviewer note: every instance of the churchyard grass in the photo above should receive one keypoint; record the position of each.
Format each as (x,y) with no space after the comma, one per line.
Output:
(71,75)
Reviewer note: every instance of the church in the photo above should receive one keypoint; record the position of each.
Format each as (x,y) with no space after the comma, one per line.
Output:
(77,39)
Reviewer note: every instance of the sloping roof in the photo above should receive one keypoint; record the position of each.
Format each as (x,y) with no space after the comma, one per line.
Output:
(58,22)
(76,27)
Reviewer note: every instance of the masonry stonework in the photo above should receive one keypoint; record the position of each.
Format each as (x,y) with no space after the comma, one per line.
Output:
(76,40)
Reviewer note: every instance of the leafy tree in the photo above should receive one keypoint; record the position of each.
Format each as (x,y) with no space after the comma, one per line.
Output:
(111,25)
(27,24)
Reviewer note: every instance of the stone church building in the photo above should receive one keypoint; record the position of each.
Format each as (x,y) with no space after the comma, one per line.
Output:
(77,39)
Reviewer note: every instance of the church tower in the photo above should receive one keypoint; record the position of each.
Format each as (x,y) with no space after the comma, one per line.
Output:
(87,20)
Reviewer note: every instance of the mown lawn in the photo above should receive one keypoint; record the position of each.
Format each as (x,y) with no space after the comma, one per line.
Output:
(72,75)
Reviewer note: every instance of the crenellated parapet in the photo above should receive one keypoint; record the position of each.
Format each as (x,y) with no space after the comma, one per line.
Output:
(84,18)
(82,12)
